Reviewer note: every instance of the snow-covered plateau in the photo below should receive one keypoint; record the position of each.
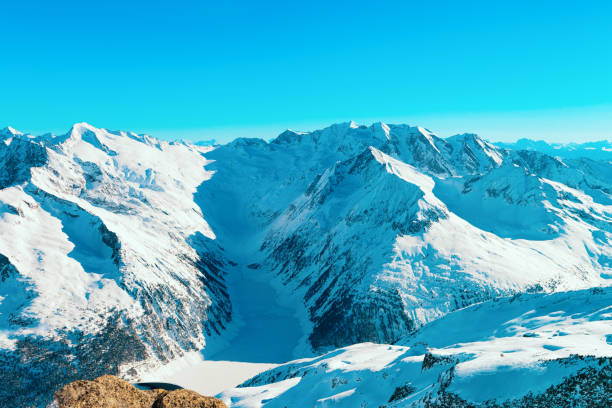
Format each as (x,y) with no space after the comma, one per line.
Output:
(400,268)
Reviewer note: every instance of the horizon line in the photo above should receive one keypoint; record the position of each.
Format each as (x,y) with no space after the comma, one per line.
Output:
(563,126)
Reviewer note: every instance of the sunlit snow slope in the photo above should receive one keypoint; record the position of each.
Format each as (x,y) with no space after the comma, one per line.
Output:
(105,258)
(544,350)
(374,231)
(119,252)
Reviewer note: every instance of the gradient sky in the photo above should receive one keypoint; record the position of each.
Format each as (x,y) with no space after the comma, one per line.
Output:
(201,69)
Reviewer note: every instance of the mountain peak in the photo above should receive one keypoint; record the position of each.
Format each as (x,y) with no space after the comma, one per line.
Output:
(287,137)
(381,126)
(464,137)
(81,127)
(10,132)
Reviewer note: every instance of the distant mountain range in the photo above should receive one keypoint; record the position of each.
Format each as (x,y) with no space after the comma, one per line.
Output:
(120,252)
(601,150)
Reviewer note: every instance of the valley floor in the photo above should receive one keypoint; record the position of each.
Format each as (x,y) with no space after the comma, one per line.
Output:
(265,331)
(266,334)
(517,350)
(208,377)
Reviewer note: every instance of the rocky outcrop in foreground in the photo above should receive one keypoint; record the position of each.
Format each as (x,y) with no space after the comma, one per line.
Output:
(113,392)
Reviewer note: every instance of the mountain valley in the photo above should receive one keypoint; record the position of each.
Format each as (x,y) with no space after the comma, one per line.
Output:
(363,251)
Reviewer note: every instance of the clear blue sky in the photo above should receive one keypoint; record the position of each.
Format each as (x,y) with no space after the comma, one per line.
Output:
(231,68)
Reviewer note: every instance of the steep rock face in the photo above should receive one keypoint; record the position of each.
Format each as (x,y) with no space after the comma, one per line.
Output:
(108,264)
(18,155)
(455,156)
(473,154)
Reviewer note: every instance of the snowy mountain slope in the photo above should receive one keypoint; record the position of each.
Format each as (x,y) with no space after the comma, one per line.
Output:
(119,252)
(599,150)
(108,258)
(17,156)
(370,232)
(437,263)
(525,350)
(590,176)
(319,244)
(247,168)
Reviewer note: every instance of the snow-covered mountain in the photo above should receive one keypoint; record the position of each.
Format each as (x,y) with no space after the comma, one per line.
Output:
(375,231)
(106,259)
(599,150)
(119,252)
(529,350)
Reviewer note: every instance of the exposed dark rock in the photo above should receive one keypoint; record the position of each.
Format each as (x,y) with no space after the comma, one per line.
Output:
(429,360)
(7,269)
(17,158)
(402,392)
(38,366)
(589,387)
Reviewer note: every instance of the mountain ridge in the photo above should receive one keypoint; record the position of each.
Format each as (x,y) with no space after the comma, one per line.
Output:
(362,233)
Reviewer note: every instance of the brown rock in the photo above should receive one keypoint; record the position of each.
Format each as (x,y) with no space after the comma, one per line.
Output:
(186,399)
(103,392)
(113,392)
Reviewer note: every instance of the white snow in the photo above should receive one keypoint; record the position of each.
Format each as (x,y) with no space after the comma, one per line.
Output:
(385,209)
(137,187)
(208,377)
(500,349)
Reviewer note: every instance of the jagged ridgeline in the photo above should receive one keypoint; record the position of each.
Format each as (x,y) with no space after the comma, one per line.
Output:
(116,248)
(106,261)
